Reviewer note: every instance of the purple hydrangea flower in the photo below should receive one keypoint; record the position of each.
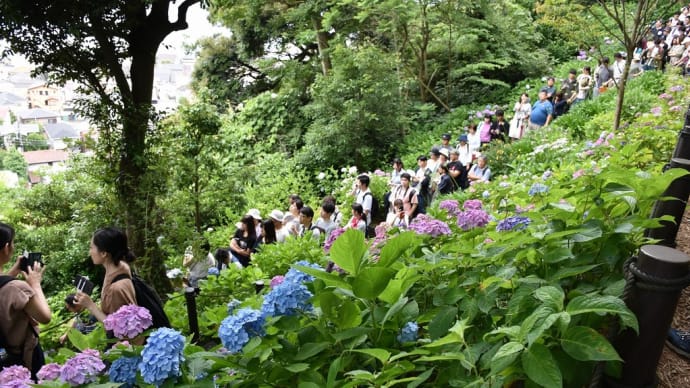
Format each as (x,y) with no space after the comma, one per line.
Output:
(48,372)
(83,368)
(15,376)
(408,333)
(578,173)
(538,188)
(236,330)
(331,239)
(423,224)
(473,218)
(546,175)
(676,88)
(472,204)
(124,370)
(277,280)
(513,223)
(451,206)
(287,298)
(665,96)
(656,111)
(128,321)
(162,356)
(674,108)
(379,172)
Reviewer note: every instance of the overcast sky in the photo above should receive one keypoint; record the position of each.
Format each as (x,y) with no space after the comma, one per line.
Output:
(199,27)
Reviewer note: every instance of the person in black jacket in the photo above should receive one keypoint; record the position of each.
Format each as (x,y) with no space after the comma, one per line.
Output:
(500,127)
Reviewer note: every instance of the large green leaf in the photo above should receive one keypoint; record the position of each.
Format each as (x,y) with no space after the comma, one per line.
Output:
(370,282)
(398,286)
(551,296)
(567,272)
(348,250)
(586,344)
(540,366)
(603,304)
(396,247)
(311,349)
(505,356)
(331,279)
(380,354)
(443,320)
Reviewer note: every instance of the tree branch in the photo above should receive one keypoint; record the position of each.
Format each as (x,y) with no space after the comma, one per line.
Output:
(181,22)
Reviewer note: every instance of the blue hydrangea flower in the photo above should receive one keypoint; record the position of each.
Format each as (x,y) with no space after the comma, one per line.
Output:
(287,298)
(513,223)
(538,188)
(124,370)
(299,276)
(473,218)
(408,333)
(232,305)
(162,356)
(236,330)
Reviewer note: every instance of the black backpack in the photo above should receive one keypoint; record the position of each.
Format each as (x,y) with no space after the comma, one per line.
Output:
(374,205)
(147,298)
(8,358)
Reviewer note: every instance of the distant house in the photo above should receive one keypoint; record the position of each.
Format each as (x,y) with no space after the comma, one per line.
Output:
(58,133)
(45,97)
(9,99)
(43,163)
(40,116)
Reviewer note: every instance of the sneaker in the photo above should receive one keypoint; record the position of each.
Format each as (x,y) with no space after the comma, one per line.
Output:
(679,342)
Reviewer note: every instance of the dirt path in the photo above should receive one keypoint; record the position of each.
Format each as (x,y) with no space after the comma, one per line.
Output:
(674,370)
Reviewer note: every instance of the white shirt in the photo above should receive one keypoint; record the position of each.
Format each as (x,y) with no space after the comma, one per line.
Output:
(365,201)
(474,141)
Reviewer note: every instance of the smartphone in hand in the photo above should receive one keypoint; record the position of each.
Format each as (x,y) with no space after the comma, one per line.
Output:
(83,284)
(29,259)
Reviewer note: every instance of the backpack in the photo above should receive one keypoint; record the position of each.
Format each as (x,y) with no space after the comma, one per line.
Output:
(374,205)
(8,358)
(147,298)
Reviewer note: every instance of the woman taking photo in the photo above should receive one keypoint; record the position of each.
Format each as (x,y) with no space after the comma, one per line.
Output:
(243,241)
(109,249)
(22,305)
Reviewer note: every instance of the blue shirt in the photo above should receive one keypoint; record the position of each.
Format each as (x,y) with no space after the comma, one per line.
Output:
(540,111)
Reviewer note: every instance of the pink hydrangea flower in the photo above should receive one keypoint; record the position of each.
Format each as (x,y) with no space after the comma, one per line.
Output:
(656,111)
(128,321)
(578,173)
(277,280)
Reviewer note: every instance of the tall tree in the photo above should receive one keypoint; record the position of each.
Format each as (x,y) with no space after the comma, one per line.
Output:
(632,22)
(109,46)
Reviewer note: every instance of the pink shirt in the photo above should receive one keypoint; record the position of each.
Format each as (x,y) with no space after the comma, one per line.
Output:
(484,132)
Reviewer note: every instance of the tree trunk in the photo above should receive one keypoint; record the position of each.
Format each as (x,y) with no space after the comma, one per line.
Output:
(134,187)
(322,41)
(621,92)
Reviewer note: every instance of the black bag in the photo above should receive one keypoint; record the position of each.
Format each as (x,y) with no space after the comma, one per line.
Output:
(374,205)
(147,298)
(8,358)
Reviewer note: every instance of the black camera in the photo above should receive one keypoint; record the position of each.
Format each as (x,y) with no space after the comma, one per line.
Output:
(83,284)
(29,260)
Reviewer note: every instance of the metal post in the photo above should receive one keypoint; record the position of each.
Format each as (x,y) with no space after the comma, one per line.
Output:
(679,189)
(683,145)
(190,297)
(660,273)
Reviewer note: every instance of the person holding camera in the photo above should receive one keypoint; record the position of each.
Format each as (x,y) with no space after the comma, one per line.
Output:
(109,249)
(398,218)
(22,306)
(84,324)
(243,241)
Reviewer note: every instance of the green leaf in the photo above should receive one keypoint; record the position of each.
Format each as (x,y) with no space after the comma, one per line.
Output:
(592,232)
(394,309)
(586,344)
(296,368)
(540,366)
(568,272)
(443,320)
(380,354)
(311,349)
(348,251)
(603,304)
(395,247)
(333,372)
(351,333)
(331,279)
(556,255)
(421,378)
(450,356)
(370,282)
(551,296)
(398,286)
(505,356)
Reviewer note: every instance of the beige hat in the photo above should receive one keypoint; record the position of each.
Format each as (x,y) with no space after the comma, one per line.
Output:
(276,215)
(444,152)
(254,213)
